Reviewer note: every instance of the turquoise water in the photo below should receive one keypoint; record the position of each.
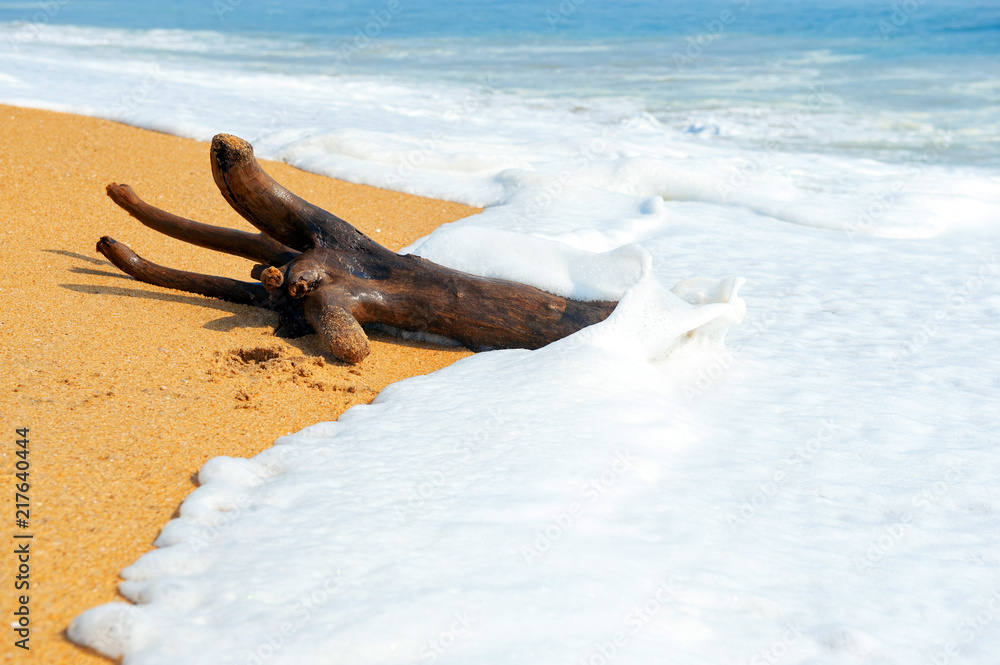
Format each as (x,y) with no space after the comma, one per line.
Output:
(937,27)
(893,75)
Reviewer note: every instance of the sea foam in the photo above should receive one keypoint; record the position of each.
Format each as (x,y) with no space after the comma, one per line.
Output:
(480,496)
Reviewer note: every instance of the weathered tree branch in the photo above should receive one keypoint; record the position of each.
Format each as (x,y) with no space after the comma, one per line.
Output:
(244,293)
(257,247)
(322,275)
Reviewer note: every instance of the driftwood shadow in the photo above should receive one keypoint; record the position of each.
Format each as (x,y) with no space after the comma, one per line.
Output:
(74,255)
(236,318)
(98,273)
(241,320)
(211,303)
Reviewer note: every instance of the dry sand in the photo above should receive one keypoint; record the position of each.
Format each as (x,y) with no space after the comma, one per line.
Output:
(128,388)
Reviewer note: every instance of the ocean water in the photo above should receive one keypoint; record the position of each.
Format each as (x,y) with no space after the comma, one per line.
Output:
(808,477)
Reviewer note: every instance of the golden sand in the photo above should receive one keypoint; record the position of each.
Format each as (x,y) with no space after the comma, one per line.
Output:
(128,388)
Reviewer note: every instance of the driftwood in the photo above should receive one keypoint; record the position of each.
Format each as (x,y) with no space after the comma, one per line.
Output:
(322,275)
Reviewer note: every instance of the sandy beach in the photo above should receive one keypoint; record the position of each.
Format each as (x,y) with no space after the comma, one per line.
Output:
(127,389)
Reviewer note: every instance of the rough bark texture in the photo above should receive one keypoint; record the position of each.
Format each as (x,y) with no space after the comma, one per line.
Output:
(322,275)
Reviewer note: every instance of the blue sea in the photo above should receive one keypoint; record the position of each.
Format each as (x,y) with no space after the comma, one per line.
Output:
(798,467)
(892,74)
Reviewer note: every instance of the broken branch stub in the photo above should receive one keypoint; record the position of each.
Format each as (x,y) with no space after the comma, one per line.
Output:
(322,275)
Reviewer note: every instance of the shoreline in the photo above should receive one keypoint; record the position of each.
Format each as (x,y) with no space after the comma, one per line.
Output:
(127,388)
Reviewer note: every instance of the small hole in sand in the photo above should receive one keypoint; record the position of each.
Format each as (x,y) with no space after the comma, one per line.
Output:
(258,354)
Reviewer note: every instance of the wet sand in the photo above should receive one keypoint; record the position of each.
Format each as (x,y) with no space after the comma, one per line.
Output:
(127,389)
